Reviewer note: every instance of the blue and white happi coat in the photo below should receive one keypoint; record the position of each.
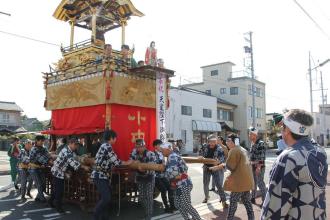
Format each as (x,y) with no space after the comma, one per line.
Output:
(258,152)
(146,157)
(159,160)
(64,160)
(24,156)
(297,184)
(175,166)
(39,155)
(218,153)
(104,160)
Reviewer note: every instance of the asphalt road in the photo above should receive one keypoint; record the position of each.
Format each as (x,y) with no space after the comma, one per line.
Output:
(10,209)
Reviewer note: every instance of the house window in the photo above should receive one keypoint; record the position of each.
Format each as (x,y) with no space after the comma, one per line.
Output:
(222,90)
(224,115)
(186,110)
(214,72)
(233,90)
(208,92)
(259,113)
(4,118)
(250,89)
(262,93)
(258,92)
(231,116)
(184,136)
(250,112)
(207,113)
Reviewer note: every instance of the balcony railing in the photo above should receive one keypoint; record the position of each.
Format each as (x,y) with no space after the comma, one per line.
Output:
(76,46)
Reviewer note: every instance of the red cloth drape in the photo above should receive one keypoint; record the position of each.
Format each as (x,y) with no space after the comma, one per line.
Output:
(127,121)
(80,120)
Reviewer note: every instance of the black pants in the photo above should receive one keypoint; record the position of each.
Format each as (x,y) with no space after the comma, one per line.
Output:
(101,210)
(164,186)
(57,192)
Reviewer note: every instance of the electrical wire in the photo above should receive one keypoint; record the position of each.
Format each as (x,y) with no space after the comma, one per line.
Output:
(29,38)
(312,19)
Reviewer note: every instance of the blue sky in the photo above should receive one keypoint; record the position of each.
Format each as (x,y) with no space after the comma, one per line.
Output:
(188,35)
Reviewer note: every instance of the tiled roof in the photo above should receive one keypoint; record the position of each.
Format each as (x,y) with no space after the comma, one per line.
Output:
(10,106)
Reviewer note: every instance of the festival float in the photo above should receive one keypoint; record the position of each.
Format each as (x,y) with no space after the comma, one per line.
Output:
(94,87)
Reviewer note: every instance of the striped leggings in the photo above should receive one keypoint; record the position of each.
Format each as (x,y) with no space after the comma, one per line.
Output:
(183,203)
(234,198)
(146,197)
(25,177)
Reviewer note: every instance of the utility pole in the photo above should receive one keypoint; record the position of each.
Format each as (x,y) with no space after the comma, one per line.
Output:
(249,49)
(253,85)
(323,112)
(310,81)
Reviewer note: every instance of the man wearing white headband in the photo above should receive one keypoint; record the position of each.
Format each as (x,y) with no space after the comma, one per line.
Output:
(299,175)
(176,170)
(257,158)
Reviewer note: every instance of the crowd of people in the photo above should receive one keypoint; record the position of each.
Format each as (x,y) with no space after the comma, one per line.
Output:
(296,186)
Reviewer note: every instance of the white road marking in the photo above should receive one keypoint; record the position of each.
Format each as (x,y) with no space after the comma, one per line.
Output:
(5,213)
(202,209)
(37,210)
(5,176)
(55,214)
(9,200)
(51,215)
(53,218)
(25,219)
(6,187)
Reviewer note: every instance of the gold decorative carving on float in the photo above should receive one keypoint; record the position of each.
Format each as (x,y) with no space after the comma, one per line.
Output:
(76,94)
(62,64)
(136,92)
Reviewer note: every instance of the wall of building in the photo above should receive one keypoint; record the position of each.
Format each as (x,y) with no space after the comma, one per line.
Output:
(243,100)
(10,118)
(176,123)
(321,127)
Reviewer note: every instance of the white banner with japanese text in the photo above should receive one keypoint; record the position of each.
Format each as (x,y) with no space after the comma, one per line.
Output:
(161,106)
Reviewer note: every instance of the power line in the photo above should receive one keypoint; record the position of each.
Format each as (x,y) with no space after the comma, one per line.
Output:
(312,19)
(4,13)
(29,38)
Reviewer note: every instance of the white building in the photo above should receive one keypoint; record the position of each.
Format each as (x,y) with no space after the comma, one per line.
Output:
(321,127)
(220,81)
(191,117)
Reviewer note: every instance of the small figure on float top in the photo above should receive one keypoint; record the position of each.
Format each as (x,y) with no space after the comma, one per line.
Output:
(160,63)
(125,52)
(151,55)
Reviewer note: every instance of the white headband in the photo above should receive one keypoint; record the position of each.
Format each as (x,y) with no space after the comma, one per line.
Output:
(236,141)
(166,145)
(253,130)
(296,127)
